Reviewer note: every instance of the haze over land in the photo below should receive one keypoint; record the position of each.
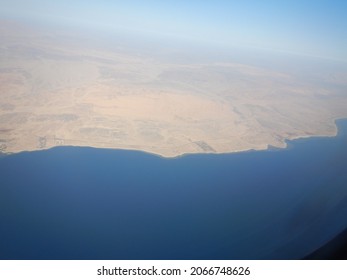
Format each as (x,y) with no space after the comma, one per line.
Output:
(111,89)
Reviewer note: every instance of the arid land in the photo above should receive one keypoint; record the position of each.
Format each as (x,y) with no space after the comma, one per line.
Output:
(60,89)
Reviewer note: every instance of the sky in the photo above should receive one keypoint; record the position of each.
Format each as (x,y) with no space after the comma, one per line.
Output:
(311,27)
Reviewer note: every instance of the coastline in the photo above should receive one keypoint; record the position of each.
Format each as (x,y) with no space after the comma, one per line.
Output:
(292,189)
(163,156)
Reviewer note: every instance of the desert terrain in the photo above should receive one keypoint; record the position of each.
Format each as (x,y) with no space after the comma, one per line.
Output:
(60,88)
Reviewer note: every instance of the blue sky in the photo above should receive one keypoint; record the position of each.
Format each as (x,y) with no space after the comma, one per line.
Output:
(317,28)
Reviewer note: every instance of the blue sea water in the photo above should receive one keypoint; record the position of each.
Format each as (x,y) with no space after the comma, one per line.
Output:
(86,203)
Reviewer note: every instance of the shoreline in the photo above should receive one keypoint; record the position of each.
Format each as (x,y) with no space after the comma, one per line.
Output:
(269,148)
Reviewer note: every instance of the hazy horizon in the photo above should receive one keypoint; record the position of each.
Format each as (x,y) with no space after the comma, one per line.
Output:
(103,92)
(316,28)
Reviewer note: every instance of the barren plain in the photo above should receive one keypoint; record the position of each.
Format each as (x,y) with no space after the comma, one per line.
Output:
(63,89)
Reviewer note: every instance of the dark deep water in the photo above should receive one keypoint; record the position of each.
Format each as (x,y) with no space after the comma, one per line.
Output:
(85,203)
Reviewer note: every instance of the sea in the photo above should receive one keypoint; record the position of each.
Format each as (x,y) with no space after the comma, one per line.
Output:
(87,203)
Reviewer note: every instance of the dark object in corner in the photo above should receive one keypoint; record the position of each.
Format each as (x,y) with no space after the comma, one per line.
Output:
(336,249)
